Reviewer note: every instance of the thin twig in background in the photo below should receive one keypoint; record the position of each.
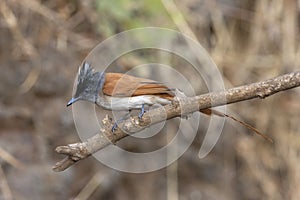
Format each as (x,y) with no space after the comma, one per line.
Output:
(11,159)
(12,22)
(262,89)
(6,192)
(62,26)
(183,26)
(26,47)
(91,186)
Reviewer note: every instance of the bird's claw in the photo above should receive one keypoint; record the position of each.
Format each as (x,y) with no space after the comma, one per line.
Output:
(114,128)
(142,112)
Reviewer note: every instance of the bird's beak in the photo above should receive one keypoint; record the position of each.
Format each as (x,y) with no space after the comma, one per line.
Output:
(73,100)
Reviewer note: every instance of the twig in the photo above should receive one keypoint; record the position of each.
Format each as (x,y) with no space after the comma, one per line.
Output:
(26,47)
(4,187)
(12,22)
(52,16)
(11,159)
(91,186)
(79,151)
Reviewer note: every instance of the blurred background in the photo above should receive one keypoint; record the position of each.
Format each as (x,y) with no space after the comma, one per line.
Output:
(42,43)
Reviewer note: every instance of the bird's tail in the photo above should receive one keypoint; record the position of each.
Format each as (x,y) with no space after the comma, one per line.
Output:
(210,111)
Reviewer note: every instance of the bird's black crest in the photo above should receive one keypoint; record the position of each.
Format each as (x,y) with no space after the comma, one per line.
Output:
(87,80)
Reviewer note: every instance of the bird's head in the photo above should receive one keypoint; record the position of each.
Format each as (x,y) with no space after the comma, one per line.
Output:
(88,84)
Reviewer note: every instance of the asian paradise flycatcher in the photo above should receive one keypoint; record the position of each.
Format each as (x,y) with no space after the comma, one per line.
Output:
(122,92)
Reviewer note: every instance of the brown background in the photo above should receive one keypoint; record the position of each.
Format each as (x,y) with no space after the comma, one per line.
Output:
(42,43)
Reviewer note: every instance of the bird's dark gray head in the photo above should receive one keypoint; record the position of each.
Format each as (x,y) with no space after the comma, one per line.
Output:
(88,84)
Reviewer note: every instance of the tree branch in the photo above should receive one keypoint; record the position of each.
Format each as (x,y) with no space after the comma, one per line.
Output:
(105,137)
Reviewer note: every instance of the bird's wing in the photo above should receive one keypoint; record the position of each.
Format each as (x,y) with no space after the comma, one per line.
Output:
(123,85)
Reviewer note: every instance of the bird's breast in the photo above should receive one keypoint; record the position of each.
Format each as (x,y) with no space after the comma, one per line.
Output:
(129,103)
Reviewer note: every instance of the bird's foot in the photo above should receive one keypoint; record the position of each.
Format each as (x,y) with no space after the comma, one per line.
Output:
(115,126)
(113,129)
(142,112)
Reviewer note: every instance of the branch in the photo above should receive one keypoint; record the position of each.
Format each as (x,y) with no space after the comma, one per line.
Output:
(105,137)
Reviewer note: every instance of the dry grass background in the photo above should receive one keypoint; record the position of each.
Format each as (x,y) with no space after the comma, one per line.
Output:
(43,42)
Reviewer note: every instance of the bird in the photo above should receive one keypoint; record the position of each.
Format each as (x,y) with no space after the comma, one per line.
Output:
(123,92)
(117,91)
